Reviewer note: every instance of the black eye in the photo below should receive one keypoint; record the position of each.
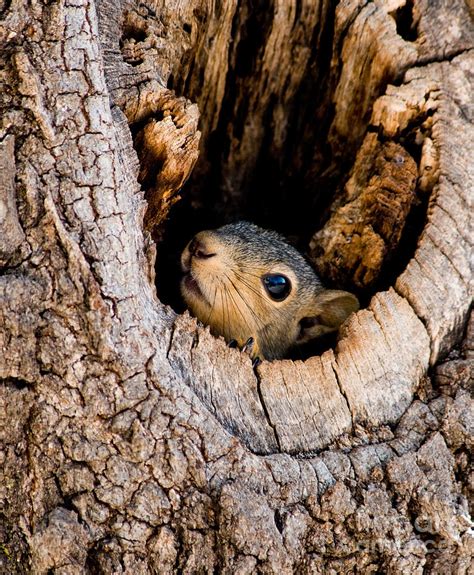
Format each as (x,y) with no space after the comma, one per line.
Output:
(277,286)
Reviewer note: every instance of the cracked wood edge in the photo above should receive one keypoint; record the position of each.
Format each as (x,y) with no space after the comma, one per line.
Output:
(299,407)
(369,379)
(205,364)
(438,280)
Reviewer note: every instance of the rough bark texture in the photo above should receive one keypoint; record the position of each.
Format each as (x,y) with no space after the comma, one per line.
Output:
(132,441)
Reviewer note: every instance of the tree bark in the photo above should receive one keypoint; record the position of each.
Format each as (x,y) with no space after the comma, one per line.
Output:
(132,441)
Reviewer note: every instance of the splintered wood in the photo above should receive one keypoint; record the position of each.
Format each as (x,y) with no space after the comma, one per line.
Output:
(362,234)
(438,280)
(369,379)
(168,149)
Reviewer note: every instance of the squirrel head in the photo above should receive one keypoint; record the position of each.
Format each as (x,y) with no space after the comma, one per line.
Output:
(244,281)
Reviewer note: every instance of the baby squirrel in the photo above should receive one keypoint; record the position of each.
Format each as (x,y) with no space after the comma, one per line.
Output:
(250,286)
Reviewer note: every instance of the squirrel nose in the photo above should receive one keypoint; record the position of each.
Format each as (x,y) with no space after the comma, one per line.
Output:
(198,249)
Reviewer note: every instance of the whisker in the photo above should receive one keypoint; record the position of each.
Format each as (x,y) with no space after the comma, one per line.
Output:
(227,324)
(223,308)
(250,286)
(257,319)
(248,272)
(237,307)
(212,305)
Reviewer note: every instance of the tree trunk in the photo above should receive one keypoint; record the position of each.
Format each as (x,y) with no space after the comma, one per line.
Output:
(132,441)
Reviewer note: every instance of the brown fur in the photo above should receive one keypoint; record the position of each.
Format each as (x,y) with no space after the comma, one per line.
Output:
(223,288)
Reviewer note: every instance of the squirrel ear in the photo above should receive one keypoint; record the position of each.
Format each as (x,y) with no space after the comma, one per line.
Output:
(332,308)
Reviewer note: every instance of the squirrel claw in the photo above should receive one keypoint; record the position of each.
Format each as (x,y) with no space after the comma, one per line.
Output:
(249,348)
(248,345)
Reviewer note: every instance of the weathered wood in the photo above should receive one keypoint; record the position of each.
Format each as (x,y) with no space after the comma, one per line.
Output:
(362,234)
(10,229)
(314,402)
(349,244)
(238,407)
(438,280)
(168,149)
(125,431)
(368,28)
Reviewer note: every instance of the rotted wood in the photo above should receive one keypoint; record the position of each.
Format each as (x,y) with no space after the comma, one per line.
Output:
(132,440)
(168,149)
(164,125)
(365,231)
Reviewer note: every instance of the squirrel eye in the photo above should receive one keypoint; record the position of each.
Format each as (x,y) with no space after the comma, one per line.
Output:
(277,286)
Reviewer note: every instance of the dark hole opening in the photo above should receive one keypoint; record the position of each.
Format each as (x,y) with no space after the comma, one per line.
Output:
(275,195)
(279,520)
(16,383)
(291,185)
(406,27)
(132,32)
